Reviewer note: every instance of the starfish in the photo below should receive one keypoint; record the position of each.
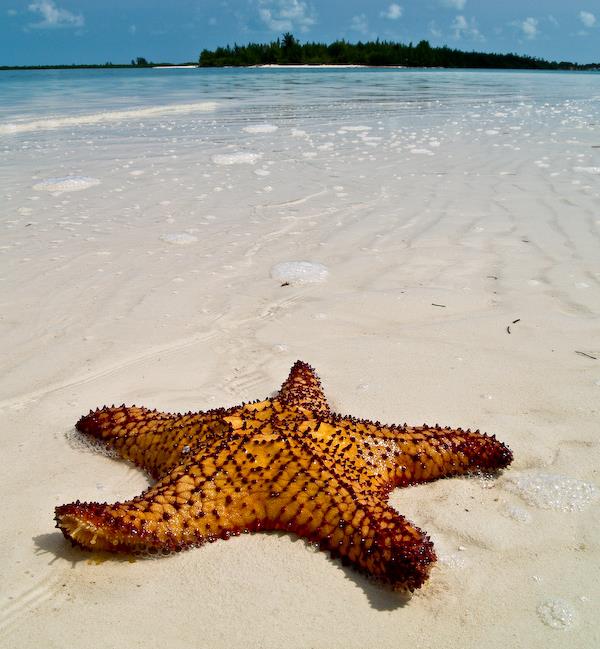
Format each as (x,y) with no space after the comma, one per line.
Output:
(283,463)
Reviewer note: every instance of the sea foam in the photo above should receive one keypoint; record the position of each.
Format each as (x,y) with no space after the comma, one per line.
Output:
(107,116)
(66,184)
(556,613)
(552,491)
(179,238)
(588,170)
(299,272)
(261,128)
(240,157)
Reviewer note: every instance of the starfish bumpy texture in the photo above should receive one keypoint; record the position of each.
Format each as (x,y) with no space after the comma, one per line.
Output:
(285,463)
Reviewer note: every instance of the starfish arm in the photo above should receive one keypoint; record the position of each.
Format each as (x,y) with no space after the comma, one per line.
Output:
(302,389)
(224,488)
(397,456)
(364,533)
(150,439)
(383,545)
(181,510)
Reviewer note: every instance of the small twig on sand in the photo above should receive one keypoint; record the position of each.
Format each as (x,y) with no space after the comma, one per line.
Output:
(595,358)
(513,322)
(442,305)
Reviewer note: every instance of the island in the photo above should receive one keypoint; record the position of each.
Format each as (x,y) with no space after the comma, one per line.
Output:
(289,51)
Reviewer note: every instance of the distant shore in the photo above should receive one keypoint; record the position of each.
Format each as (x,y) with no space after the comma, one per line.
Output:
(167,66)
(101,66)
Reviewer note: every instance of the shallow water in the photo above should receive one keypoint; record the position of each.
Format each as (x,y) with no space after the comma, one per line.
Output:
(283,93)
(427,239)
(251,168)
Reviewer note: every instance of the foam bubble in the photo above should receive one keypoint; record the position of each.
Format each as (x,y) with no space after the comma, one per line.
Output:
(357,128)
(66,184)
(81,442)
(240,157)
(261,128)
(556,613)
(518,514)
(179,238)
(299,272)
(453,561)
(551,491)
(422,152)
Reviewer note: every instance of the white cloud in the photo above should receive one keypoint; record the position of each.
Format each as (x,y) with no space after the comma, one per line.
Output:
(286,15)
(53,16)
(552,20)
(459,5)
(434,30)
(529,27)
(459,26)
(394,11)
(587,18)
(132,29)
(11,12)
(463,28)
(360,24)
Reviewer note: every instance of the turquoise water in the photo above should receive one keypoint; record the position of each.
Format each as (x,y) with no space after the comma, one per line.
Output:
(283,93)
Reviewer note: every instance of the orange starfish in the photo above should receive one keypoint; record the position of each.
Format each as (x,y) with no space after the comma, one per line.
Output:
(286,463)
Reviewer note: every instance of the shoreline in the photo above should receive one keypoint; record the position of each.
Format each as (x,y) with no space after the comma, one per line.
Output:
(166,66)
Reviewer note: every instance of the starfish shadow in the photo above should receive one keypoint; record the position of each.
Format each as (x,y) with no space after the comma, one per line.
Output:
(381,597)
(54,544)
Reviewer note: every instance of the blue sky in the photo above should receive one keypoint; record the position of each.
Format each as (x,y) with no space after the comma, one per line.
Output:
(96,31)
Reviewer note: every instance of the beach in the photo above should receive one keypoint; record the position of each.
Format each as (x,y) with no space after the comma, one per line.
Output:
(427,240)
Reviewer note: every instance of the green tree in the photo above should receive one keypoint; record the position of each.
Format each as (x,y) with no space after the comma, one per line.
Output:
(288,41)
(289,50)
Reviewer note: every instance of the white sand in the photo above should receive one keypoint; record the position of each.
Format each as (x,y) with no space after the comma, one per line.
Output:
(430,258)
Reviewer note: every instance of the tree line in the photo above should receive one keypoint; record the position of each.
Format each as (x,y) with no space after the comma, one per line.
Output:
(289,51)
